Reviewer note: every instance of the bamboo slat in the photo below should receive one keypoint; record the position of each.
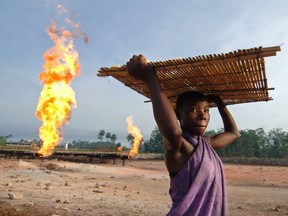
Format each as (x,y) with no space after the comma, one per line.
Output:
(237,77)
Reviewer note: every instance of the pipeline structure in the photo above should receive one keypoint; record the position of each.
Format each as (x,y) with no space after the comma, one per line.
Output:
(83,157)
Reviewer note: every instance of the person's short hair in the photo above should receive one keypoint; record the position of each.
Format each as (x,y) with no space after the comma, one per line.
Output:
(187,97)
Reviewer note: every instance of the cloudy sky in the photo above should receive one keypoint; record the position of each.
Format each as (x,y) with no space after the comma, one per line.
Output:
(117,29)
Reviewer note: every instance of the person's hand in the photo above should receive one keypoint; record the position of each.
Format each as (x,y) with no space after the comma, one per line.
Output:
(215,99)
(139,68)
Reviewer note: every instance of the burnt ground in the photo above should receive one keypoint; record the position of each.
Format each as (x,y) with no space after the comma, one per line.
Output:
(54,187)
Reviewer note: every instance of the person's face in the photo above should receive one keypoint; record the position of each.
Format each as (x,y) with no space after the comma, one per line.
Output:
(195,117)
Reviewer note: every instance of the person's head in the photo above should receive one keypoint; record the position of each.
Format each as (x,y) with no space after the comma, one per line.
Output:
(192,110)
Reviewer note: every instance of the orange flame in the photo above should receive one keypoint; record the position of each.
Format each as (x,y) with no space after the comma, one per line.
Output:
(57,97)
(120,148)
(136,134)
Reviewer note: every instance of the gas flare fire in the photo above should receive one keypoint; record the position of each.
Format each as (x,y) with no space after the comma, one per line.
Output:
(134,131)
(57,97)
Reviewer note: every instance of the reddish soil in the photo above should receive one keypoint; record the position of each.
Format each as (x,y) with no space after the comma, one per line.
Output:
(138,188)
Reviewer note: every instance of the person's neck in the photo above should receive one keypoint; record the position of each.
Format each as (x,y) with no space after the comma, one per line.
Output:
(190,133)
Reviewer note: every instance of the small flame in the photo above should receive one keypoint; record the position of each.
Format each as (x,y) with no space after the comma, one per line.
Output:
(57,97)
(136,134)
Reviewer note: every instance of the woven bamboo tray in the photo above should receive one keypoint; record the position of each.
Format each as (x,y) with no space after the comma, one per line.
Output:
(237,77)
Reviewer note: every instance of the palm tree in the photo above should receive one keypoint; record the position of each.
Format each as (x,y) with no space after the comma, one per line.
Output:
(129,138)
(108,136)
(113,138)
(101,134)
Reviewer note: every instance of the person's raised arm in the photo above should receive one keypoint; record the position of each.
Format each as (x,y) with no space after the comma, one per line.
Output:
(231,132)
(164,113)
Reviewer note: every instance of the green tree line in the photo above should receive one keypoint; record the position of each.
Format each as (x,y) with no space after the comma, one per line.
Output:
(106,140)
(4,139)
(252,144)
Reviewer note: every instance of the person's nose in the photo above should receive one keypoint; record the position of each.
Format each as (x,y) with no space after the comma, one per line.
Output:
(202,115)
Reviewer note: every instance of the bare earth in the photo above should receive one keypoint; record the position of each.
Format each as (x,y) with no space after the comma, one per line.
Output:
(138,188)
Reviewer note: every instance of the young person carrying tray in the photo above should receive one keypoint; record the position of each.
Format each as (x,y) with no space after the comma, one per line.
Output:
(197,184)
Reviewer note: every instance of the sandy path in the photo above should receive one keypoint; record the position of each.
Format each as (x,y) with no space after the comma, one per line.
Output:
(139,188)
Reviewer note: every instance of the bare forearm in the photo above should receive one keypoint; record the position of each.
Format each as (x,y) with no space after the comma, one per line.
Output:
(164,113)
(230,133)
(228,120)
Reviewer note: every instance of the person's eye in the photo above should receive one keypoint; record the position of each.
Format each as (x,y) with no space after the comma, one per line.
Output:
(194,110)
(206,110)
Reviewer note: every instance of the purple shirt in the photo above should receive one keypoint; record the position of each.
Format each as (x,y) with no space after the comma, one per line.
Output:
(199,187)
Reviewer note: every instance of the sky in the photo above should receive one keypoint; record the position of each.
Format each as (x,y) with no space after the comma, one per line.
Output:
(118,29)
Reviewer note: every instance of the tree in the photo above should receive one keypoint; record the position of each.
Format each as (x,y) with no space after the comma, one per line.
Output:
(155,143)
(210,133)
(129,138)
(108,136)
(278,141)
(250,144)
(4,139)
(101,134)
(262,142)
(113,138)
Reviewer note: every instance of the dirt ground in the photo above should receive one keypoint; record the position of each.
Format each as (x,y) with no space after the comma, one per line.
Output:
(139,188)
